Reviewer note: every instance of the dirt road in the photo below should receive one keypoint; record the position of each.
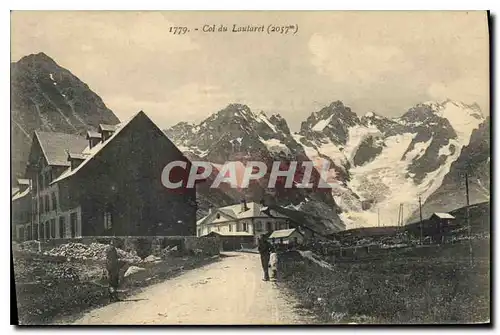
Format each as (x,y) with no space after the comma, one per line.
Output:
(227,292)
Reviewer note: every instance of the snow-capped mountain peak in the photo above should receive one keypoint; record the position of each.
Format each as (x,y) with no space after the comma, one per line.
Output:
(462,117)
(378,162)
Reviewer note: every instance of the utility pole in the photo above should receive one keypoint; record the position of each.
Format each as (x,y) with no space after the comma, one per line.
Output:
(378,216)
(421,221)
(400,220)
(467,215)
(402,216)
(467,187)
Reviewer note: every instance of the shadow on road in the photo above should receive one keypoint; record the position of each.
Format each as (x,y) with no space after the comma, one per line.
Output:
(131,300)
(224,255)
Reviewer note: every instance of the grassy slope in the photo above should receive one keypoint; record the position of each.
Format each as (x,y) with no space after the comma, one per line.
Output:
(424,288)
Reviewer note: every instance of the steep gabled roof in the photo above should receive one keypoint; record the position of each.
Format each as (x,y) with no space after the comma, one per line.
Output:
(282,233)
(234,212)
(55,146)
(91,153)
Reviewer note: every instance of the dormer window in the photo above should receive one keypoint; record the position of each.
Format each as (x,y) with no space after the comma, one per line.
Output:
(23,184)
(94,138)
(75,159)
(106,131)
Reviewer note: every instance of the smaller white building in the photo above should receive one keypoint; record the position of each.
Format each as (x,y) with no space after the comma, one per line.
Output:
(252,218)
(286,236)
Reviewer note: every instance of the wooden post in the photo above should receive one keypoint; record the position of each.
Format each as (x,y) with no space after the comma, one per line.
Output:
(378,216)
(467,216)
(402,216)
(421,223)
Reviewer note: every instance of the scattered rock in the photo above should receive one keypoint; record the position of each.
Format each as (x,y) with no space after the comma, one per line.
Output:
(96,251)
(151,258)
(132,269)
(165,253)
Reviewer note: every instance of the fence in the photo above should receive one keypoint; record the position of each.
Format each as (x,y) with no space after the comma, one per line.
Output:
(454,251)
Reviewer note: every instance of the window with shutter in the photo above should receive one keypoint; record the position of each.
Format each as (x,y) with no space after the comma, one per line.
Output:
(47,204)
(73,224)
(53,228)
(47,230)
(62,227)
(54,202)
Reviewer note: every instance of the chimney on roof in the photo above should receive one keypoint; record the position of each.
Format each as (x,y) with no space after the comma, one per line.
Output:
(94,138)
(106,131)
(244,207)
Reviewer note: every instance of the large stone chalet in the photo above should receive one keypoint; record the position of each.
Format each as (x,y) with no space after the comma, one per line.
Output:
(245,222)
(105,184)
(249,219)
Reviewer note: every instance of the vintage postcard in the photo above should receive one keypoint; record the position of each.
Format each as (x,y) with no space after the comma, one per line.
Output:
(250,167)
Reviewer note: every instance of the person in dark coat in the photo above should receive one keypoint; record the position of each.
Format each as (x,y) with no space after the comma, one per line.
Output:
(113,267)
(264,251)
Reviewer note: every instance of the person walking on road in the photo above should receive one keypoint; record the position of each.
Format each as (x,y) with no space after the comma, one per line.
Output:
(113,267)
(264,251)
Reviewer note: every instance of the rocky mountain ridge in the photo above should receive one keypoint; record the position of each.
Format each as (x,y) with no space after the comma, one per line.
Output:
(48,97)
(378,162)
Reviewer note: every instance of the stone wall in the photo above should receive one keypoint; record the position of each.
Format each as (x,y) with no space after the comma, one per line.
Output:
(208,245)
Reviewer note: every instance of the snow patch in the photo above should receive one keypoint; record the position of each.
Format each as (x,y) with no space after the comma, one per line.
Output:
(386,182)
(356,135)
(322,124)
(263,118)
(463,120)
(275,145)
(333,151)
(383,180)
(329,149)
(445,150)
(418,151)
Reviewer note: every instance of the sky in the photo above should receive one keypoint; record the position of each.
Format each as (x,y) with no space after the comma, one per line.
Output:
(384,62)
